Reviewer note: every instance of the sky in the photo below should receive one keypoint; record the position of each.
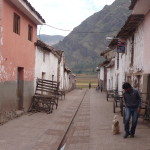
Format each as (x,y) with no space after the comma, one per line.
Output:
(66,14)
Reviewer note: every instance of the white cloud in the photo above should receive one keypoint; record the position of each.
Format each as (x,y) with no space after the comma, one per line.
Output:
(66,14)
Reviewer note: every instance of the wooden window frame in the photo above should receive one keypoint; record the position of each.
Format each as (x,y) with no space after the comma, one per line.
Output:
(117,61)
(30,32)
(16,24)
(44,56)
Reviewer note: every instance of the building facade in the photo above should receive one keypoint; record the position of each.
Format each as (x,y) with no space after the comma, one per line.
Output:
(18,33)
(46,62)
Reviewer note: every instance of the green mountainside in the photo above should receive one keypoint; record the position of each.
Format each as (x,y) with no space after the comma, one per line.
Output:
(50,39)
(83,45)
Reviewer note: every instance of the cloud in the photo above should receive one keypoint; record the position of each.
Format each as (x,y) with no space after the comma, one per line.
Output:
(66,14)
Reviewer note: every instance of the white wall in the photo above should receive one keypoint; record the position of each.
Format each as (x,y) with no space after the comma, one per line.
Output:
(66,80)
(49,66)
(61,77)
(53,66)
(102,73)
(139,49)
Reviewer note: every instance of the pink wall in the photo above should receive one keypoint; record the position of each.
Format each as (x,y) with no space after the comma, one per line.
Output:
(147,43)
(17,50)
(0,21)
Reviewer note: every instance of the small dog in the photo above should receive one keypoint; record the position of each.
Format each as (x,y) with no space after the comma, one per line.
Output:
(115,126)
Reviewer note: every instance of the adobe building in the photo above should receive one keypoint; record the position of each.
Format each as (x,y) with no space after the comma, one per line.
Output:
(18,33)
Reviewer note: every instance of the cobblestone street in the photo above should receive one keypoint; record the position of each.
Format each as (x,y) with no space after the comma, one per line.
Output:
(90,129)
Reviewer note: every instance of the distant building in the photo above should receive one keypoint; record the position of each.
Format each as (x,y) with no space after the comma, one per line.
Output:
(69,80)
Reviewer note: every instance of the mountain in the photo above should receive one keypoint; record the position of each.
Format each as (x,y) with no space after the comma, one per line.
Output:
(83,45)
(50,39)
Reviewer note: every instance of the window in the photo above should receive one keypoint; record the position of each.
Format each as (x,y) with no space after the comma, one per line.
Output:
(30,32)
(16,25)
(44,56)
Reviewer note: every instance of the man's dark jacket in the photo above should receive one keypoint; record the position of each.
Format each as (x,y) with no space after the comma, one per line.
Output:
(132,98)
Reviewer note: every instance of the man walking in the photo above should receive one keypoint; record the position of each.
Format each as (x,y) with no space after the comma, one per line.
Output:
(132,107)
(89,85)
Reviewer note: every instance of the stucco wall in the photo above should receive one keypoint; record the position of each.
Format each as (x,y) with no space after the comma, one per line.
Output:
(139,49)
(16,51)
(147,43)
(53,66)
(72,82)
(61,77)
(128,56)
(0,24)
(66,80)
(49,66)
(121,71)
(102,73)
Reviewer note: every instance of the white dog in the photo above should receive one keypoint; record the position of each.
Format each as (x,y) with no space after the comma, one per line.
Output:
(115,126)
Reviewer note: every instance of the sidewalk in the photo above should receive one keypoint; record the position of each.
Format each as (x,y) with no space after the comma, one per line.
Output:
(91,128)
(40,131)
(101,136)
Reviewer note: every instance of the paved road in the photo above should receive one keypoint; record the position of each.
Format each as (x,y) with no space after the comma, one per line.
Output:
(91,128)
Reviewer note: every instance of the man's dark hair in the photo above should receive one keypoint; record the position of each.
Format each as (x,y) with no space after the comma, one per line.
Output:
(126,85)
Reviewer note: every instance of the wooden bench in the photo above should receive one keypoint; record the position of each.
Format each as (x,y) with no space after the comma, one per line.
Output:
(46,96)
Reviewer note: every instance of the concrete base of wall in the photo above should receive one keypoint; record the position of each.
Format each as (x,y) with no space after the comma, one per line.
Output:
(7,116)
(9,100)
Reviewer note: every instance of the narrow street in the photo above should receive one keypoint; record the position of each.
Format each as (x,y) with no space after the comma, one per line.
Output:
(90,128)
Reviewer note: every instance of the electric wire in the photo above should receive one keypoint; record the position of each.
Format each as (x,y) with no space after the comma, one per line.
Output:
(66,30)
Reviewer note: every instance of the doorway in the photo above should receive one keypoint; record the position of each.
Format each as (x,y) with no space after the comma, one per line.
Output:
(20,87)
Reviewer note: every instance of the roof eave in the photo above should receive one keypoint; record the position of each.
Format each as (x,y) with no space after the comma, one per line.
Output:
(47,47)
(130,26)
(25,7)
(133,2)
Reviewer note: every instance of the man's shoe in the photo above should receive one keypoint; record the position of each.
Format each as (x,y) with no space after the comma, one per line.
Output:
(132,136)
(125,136)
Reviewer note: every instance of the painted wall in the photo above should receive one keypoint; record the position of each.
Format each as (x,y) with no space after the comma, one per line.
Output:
(66,81)
(61,77)
(139,66)
(102,73)
(53,66)
(15,45)
(147,43)
(16,51)
(108,78)
(0,25)
(45,62)
(121,71)
(139,49)
(72,82)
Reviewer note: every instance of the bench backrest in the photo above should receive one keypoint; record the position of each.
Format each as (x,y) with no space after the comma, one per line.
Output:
(46,87)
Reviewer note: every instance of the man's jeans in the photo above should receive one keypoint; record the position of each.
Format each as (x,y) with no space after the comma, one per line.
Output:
(128,113)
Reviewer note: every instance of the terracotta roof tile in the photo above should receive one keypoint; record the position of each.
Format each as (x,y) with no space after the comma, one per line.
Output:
(130,26)
(33,9)
(133,2)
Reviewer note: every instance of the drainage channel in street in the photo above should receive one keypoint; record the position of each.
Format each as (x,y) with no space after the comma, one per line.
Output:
(62,144)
